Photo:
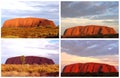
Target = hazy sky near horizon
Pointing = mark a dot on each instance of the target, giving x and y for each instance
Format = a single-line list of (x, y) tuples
[(30, 47), (82, 51), (29, 8), (81, 13)]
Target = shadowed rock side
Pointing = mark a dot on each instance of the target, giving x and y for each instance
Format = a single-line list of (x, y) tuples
[(28, 22), (29, 60), (89, 68), (90, 30)]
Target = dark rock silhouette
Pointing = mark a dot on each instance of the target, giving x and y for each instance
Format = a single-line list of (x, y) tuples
[(29, 60), (90, 30), (89, 68), (28, 22)]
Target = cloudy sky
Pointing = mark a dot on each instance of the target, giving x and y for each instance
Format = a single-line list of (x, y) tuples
[(80, 13), (32, 47), (30, 8), (100, 51)]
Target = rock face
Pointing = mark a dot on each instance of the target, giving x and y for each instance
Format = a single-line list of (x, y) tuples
[(28, 22), (89, 30), (29, 60), (89, 68)]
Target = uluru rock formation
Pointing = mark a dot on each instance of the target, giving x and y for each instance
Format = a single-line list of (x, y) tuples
[(28, 22), (29, 60), (89, 68), (90, 30)]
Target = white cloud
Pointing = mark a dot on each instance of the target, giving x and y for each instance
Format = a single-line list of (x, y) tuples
[(108, 59), (22, 4), (30, 8), (90, 47), (29, 5), (93, 46), (15, 5), (67, 58), (34, 47), (71, 22)]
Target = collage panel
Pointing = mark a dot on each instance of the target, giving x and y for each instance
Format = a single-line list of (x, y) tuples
[(30, 19), (89, 19), (29, 58), (59, 38), (89, 58)]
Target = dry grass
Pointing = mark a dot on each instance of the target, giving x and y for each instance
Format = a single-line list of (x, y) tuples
[(12, 70), (30, 32)]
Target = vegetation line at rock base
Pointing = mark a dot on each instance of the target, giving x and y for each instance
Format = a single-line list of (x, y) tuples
[(94, 36), (116, 74)]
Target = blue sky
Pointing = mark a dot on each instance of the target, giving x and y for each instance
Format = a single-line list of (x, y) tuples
[(30, 8), (30, 47), (100, 51), (81, 13)]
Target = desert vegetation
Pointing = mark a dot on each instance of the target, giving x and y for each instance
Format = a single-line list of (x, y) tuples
[(30, 32), (25, 70)]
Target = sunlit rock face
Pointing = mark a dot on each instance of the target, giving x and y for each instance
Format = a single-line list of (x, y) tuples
[(89, 68), (82, 31), (28, 22)]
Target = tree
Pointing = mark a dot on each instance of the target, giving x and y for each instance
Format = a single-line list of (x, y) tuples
[(22, 58)]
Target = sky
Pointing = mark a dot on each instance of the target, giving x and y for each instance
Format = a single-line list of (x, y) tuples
[(99, 51), (30, 47), (82, 13), (30, 8)]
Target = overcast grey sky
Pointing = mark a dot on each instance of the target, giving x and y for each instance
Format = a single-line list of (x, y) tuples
[(81, 13), (30, 8), (30, 47), (100, 51)]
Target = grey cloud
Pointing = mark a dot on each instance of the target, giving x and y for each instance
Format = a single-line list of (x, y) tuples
[(103, 17), (38, 13), (53, 47), (81, 9), (47, 47), (46, 6), (14, 48), (73, 9), (54, 57), (90, 47), (49, 10), (51, 16)]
